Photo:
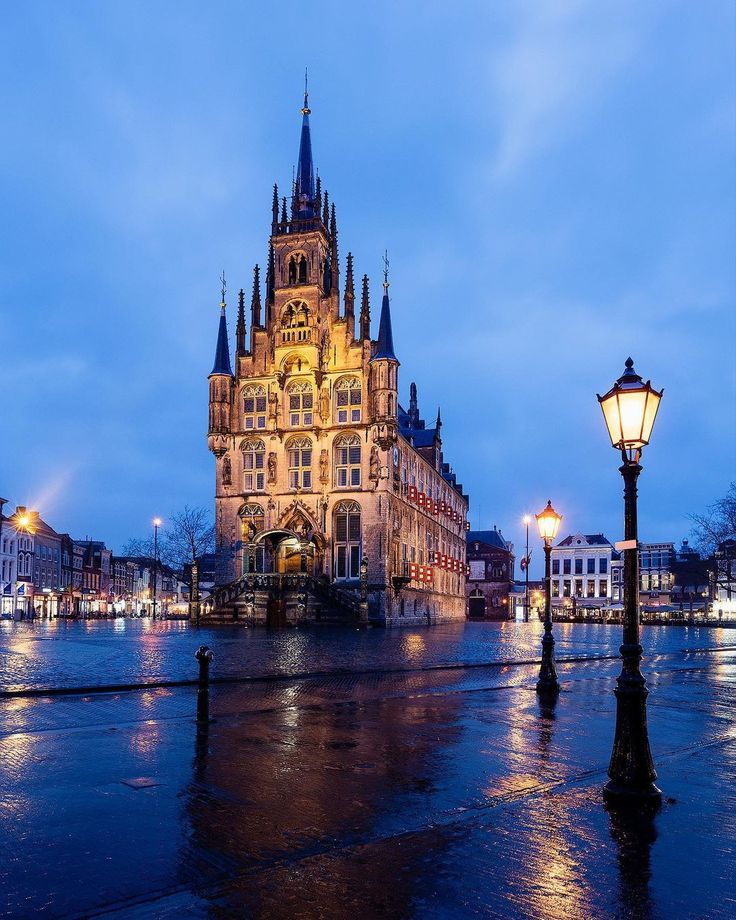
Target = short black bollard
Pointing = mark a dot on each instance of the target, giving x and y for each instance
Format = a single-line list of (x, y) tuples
[(204, 656)]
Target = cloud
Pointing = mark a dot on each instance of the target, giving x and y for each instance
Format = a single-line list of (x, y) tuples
[(559, 63)]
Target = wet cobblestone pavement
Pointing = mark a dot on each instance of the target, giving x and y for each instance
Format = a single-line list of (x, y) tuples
[(429, 793)]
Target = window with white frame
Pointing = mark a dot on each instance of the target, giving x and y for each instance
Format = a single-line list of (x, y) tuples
[(301, 405), (254, 474), (348, 398), (299, 451), (347, 461), (254, 407), (347, 538)]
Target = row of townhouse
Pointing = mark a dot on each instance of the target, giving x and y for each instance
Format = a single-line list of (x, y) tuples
[(45, 573), (587, 574)]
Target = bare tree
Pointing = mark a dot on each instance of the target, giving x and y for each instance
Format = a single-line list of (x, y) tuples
[(183, 537), (717, 524), (139, 547), (187, 536)]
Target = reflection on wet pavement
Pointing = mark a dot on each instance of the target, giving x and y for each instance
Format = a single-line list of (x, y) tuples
[(425, 794)]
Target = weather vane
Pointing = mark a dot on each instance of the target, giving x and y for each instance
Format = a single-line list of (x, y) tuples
[(224, 288), (385, 269), (306, 109)]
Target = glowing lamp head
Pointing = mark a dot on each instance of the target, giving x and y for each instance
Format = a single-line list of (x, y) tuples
[(157, 522), (629, 409), (548, 523), (527, 519)]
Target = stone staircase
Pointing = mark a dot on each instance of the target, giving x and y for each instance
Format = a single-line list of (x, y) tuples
[(281, 600)]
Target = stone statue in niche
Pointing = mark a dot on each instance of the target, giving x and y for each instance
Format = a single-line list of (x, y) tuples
[(273, 407), (227, 472), (375, 466), (272, 467), (324, 404), (324, 465)]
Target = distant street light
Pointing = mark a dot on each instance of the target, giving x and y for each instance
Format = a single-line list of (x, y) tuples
[(527, 521), (548, 523), (629, 409), (156, 525)]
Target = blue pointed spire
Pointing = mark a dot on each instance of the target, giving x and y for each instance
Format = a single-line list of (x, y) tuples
[(304, 186), (222, 352), (385, 343)]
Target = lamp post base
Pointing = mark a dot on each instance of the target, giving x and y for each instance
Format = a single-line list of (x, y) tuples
[(548, 684), (631, 769)]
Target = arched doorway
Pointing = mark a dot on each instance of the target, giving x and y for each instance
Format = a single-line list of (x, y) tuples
[(347, 540), (294, 556)]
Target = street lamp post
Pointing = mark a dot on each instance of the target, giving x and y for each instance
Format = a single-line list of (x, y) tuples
[(156, 525), (527, 522), (548, 523), (629, 409)]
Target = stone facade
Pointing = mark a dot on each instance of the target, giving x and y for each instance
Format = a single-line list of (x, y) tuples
[(491, 575), (316, 464)]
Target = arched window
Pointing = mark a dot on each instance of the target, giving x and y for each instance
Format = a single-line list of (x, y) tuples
[(301, 404), (348, 396), (347, 461), (254, 407), (347, 540), (303, 274), (252, 519), (292, 270), (251, 522), (254, 475), (300, 463)]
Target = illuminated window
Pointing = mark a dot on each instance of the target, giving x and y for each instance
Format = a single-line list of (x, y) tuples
[(347, 540), (348, 397), (347, 461), (254, 408), (254, 477), (603, 589), (590, 592), (578, 587), (301, 405), (300, 463)]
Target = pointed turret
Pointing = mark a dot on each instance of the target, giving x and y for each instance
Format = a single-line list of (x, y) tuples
[(304, 186), (334, 258), (349, 299), (365, 312), (438, 423), (275, 204), (326, 211), (413, 405), (284, 215), (222, 351), (255, 300), (318, 196), (270, 283), (385, 343), (221, 387), (240, 327)]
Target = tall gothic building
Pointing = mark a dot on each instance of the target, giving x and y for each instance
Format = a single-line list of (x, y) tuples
[(317, 465)]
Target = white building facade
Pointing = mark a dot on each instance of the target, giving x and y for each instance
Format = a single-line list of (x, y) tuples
[(581, 572)]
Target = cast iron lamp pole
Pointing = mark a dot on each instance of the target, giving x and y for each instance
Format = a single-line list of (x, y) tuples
[(548, 523), (630, 408), (527, 521), (156, 525)]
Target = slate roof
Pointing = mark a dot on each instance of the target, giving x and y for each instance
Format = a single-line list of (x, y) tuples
[(592, 539), (491, 537)]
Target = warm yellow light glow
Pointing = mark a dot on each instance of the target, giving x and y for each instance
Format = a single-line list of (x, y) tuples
[(548, 523), (629, 409), (157, 522), (24, 520), (527, 519)]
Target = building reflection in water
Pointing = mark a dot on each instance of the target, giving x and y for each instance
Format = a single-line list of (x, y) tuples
[(296, 792)]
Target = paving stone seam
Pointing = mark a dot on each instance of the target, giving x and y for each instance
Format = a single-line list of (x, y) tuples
[(338, 672), (472, 814)]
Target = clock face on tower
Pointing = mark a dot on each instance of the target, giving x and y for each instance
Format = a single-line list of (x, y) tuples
[(396, 456)]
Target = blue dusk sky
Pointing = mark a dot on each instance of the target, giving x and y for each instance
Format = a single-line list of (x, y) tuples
[(554, 182)]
